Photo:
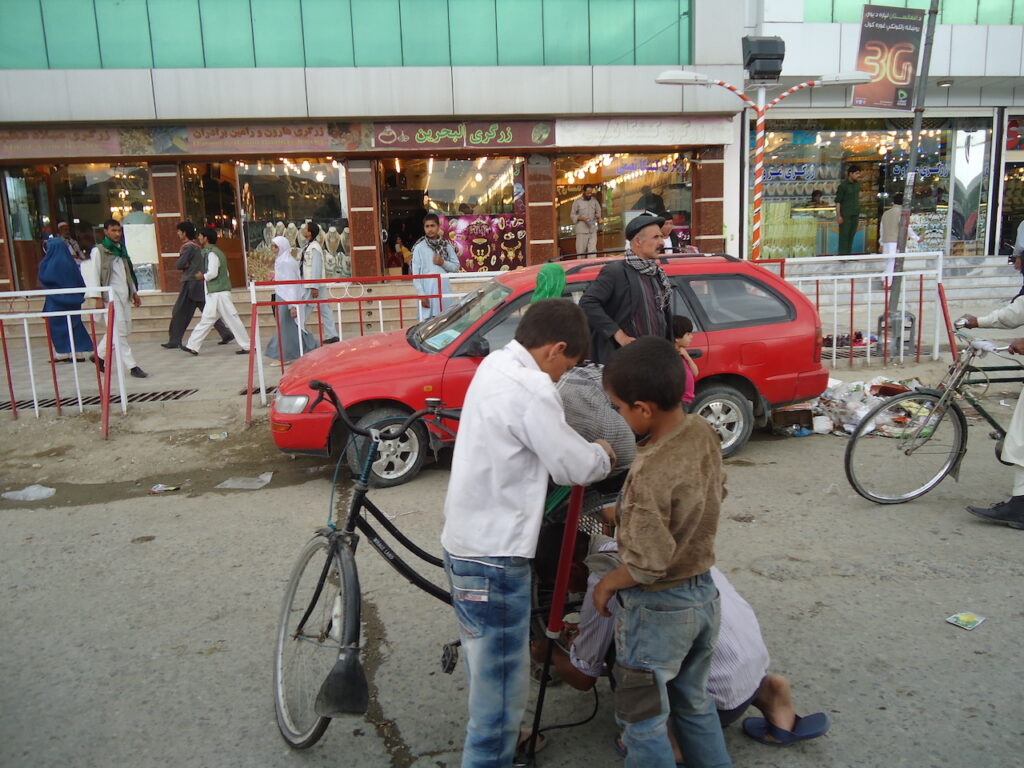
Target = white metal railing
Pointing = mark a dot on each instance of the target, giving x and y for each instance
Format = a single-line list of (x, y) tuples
[(9, 315)]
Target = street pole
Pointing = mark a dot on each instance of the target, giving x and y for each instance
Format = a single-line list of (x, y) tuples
[(908, 191), (759, 112)]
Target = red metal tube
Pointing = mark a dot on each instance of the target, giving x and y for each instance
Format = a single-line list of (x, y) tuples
[(7, 367), (572, 521), (252, 362), (105, 389)]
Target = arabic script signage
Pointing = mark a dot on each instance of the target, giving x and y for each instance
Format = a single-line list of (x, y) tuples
[(495, 134), (890, 39)]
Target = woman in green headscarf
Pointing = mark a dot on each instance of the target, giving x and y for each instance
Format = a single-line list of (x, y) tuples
[(550, 283)]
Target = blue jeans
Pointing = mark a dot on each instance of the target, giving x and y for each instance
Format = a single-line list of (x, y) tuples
[(663, 642), (491, 597)]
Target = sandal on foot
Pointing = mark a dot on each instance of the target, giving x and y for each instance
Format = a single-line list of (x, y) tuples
[(810, 727), (524, 742)]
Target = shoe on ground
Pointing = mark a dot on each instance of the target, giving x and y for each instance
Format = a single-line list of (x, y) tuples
[(98, 361), (228, 340), (189, 350), (242, 352), (1010, 512), (168, 345), (138, 373), (332, 340)]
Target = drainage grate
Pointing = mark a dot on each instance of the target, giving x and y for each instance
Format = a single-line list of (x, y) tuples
[(134, 397), (256, 391)]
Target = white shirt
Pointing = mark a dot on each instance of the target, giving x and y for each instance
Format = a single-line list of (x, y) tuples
[(889, 226), (512, 435), (118, 277), (588, 210), (738, 664), (1018, 244)]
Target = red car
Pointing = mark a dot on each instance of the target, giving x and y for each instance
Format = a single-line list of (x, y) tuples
[(759, 339)]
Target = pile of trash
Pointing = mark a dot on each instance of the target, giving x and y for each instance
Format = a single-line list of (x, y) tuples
[(839, 409)]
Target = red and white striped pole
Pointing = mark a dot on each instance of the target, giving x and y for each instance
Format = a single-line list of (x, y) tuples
[(759, 110)]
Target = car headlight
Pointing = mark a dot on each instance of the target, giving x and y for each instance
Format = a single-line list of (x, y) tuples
[(290, 403)]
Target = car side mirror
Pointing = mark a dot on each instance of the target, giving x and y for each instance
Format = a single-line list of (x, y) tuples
[(478, 346)]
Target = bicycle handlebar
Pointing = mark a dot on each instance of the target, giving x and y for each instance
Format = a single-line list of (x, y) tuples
[(434, 408)]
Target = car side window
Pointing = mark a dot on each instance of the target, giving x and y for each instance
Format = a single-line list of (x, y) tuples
[(735, 301), (681, 307), (500, 330)]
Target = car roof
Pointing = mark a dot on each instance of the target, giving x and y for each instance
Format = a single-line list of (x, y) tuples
[(527, 277)]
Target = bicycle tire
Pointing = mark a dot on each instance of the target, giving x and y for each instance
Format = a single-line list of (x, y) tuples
[(914, 449), (303, 661)]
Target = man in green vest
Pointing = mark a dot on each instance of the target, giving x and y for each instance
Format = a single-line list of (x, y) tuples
[(848, 208), (218, 296)]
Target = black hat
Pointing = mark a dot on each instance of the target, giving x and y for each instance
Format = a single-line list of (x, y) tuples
[(644, 220)]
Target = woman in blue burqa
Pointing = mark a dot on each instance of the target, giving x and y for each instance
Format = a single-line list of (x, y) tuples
[(58, 269)]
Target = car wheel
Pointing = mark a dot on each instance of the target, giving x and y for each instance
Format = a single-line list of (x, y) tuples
[(399, 460), (729, 413)]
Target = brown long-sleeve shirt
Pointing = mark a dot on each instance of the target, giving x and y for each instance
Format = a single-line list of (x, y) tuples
[(670, 506)]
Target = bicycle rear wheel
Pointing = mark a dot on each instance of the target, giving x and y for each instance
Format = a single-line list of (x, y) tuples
[(311, 629), (904, 447)]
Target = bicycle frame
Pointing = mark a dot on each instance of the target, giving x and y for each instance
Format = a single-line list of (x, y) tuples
[(957, 379), (355, 520)]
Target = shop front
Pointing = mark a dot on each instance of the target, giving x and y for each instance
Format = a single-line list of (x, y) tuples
[(1012, 216), (503, 189), (805, 161)]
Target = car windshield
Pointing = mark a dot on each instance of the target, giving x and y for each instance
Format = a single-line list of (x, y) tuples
[(438, 332)]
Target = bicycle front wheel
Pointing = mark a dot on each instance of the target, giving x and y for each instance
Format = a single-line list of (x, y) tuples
[(310, 631), (904, 447)]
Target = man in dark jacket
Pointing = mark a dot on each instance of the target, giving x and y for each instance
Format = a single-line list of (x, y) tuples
[(192, 295), (632, 297)]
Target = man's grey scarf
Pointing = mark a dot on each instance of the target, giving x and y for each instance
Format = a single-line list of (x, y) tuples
[(651, 268)]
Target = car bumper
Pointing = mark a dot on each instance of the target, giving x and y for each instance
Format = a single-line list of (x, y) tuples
[(301, 432)]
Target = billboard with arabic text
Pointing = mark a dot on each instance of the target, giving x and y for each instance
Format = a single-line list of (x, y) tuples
[(890, 44)]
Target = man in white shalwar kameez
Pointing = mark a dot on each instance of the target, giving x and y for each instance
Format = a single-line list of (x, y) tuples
[(433, 255), (218, 297), (1010, 512), (109, 265)]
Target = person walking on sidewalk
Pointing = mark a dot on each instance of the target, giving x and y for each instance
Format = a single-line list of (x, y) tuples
[(192, 295), (109, 265), (218, 297), (311, 264)]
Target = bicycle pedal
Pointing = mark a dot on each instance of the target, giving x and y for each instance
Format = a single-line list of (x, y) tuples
[(450, 657)]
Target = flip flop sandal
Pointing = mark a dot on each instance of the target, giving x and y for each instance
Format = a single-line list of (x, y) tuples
[(810, 727), (524, 743)]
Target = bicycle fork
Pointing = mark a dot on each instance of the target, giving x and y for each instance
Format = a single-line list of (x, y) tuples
[(345, 690)]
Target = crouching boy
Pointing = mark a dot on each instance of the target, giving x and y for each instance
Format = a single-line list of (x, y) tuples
[(512, 436), (668, 613)]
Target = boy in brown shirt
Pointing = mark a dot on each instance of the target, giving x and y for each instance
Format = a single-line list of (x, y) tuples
[(667, 624)]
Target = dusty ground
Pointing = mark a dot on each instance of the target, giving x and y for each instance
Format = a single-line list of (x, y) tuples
[(138, 629)]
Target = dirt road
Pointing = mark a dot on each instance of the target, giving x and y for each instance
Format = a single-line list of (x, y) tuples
[(138, 629)]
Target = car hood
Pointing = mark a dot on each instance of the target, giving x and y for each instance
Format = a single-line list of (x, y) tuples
[(388, 355)]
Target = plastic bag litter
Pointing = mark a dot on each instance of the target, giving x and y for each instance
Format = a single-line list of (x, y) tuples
[(163, 488), (218, 435), (246, 483), (30, 493)]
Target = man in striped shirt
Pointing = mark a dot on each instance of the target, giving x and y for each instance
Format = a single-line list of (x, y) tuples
[(739, 666)]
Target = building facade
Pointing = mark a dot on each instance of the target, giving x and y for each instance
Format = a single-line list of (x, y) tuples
[(254, 116)]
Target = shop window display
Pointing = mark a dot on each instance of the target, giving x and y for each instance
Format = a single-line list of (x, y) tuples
[(278, 195), (805, 162), (480, 203), (83, 195), (625, 185)]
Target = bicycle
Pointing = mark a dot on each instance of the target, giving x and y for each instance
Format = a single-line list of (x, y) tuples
[(908, 444), (317, 671)]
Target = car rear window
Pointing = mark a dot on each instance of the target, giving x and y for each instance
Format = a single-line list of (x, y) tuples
[(735, 301)]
